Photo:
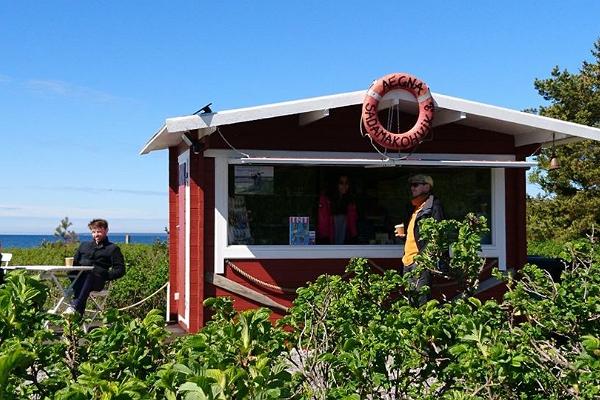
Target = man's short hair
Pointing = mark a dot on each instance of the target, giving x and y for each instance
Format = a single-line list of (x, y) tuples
[(98, 223), (420, 178)]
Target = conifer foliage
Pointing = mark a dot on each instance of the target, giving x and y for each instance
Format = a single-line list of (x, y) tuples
[(570, 205)]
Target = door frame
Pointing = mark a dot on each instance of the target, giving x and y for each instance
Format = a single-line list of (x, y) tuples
[(181, 159)]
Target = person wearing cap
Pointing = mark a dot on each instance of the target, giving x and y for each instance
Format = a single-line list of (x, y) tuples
[(423, 205)]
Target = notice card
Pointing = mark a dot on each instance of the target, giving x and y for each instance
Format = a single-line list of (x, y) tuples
[(299, 231)]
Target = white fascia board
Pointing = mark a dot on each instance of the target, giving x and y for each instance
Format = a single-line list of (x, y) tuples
[(539, 137), (517, 117), (444, 117), (155, 141), (312, 116), (521, 120), (192, 122)]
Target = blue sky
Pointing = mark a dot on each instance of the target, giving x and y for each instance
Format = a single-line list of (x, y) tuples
[(85, 84)]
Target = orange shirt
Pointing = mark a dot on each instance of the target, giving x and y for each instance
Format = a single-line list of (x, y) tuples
[(410, 246)]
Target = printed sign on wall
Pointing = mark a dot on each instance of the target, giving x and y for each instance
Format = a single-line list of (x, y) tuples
[(253, 179)]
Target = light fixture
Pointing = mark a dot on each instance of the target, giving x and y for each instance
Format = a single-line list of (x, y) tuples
[(554, 163), (196, 145)]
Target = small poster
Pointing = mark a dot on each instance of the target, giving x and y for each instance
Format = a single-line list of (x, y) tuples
[(253, 179), (239, 226), (299, 231)]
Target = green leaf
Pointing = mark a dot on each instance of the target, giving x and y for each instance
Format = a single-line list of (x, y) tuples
[(475, 301), (350, 344)]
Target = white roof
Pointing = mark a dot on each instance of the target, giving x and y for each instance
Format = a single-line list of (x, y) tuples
[(526, 128)]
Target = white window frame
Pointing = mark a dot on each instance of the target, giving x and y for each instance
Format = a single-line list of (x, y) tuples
[(224, 251)]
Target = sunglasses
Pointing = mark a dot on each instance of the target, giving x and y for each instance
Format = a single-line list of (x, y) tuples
[(415, 184)]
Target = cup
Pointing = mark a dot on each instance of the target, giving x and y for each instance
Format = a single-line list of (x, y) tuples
[(399, 230), (68, 261)]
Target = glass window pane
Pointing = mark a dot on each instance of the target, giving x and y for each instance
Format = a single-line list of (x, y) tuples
[(349, 205)]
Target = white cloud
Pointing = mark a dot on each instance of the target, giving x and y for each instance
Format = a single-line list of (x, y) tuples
[(103, 190), (34, 211), (65, 89)]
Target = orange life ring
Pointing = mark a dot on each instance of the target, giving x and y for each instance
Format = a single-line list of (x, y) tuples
[(378, 89)]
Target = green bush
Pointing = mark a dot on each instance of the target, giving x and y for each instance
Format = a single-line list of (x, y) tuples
[(49, 253), (545, 248), (350, 337), (118, 360), (236, 356), (147, 270)]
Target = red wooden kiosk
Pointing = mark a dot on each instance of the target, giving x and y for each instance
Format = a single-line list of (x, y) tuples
[(244, 186)]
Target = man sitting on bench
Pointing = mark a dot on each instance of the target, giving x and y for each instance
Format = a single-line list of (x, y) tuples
[(104, 256)]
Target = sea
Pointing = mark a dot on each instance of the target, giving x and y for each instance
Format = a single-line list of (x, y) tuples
[(26, 241)]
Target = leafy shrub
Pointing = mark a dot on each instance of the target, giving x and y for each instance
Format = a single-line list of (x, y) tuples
[(30, 360), (119, 359), (362, 338), (236, 356), (546, 248), (49, 253), (351, 338)]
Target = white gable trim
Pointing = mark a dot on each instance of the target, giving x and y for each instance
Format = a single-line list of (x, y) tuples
[(471, 113)]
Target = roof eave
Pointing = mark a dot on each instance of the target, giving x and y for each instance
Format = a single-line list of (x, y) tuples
[(526, 128)]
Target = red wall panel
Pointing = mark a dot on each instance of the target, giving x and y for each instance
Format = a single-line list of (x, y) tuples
[(339, 132)]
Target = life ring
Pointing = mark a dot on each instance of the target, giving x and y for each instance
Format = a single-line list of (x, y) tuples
[(378, 89)]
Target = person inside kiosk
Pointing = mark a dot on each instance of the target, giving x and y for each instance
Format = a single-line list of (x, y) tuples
[(337, 215)]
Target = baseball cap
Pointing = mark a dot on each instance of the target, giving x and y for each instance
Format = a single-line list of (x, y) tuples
[(420, 178)]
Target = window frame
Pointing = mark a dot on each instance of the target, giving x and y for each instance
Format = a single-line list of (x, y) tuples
[(224, 251)]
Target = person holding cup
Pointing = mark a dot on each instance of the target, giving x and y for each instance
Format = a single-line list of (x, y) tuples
[(423, 205)]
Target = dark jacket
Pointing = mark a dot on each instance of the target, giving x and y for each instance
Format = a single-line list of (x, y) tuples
[(431, 209), (105, 257)]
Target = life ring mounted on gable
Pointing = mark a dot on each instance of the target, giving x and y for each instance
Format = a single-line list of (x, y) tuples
[(378, 89)]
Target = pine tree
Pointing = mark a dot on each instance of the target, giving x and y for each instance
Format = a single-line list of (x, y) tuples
[(570, 205), (63, 233)]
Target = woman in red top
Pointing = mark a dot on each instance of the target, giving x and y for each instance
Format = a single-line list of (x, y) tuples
[(337, 216)]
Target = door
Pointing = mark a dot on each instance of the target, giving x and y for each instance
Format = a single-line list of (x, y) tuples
[(183, 239)]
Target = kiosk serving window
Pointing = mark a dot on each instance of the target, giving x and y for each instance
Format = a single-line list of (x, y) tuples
[(295, 205)]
